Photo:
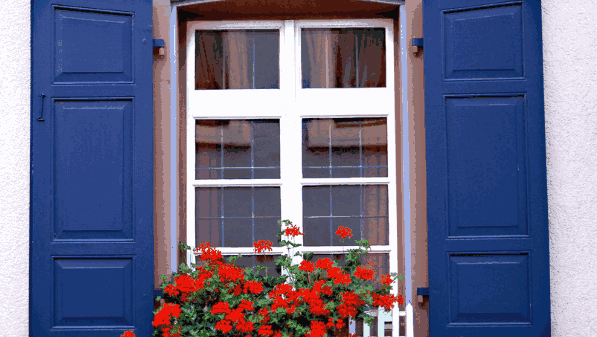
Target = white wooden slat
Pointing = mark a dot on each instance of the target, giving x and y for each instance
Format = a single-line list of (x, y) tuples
[(409, 320), (386, 317)]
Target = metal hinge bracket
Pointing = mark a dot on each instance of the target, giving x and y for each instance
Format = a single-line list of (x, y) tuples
[(421, 293)]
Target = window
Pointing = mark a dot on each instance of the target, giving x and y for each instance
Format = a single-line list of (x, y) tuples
[(292, 113)]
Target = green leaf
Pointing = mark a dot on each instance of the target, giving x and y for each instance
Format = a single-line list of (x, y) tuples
[(182, 246), (308, 256), (233, 259)]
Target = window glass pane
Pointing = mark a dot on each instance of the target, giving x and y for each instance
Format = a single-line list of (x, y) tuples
[(237, 202), (266, 229), (316, 201), (237, 59), (353, 223), (237, 149), (346, 200), (376, 230), (345, 147), (378, 262), (236, 216), (267, 201), (268, 261), (362, 208), (318, 231), (343, 57)]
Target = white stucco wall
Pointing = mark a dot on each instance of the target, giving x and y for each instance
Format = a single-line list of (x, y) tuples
[(570, 71), (15, 60)]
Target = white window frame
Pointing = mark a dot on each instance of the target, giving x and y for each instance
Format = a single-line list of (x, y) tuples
[(345, 101), (247, 103), (291, 104)]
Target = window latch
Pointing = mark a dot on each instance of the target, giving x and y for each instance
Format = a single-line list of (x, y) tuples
[(417, 45), (421, 293), (160, 45)]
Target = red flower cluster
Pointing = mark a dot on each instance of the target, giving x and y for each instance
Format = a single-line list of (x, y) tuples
[(387, 301), (338, 275), (324, 263), (185, 285), (128, 334), (326, 284), (364, 274), (262, 245), (293, 231), (210, 254), (168, 333), (307, 266), (318, 329), (386, 279), (339, 323), (167, 311), (253, 287), (344, 232), (236, 316)]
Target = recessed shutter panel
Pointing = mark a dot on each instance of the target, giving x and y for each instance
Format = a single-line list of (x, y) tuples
[(486, 178), (91, 168)]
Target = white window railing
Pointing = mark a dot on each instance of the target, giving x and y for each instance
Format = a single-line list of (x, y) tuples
[(384, 319)]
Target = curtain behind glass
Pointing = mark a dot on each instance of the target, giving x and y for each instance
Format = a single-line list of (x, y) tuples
[(209, 60), (239, 69), (343, 58), (237, 59)]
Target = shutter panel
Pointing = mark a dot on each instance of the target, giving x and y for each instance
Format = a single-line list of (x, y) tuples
[(91, 168), (486, 176)]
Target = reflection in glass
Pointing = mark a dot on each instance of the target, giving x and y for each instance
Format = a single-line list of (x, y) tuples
[(345, 147), (236, 216), (237, 149), (237, 59), (362, 208), (343, 57)]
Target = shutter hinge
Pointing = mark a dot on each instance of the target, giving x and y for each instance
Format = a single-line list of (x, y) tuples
[(421, 293), (417, 45), (160, 45)]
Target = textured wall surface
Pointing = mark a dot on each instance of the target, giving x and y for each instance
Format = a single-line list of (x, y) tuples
[(15, 58), (570, 72)]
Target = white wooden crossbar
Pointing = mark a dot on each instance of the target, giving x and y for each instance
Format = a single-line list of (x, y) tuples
[(386, 317)]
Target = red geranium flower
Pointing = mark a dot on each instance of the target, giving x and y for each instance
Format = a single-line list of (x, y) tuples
[(163, 316), (344, 232), (293, 231), (307, 266), (324, 263), (224, 326), (265, 330), (262, 245), (386, 279), (220, 308), (364, 274), (253, 287)]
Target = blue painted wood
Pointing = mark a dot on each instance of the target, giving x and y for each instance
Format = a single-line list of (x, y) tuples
[(486, 176), (91, 168)]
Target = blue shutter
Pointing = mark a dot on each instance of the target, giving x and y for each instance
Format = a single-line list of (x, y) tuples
[(486, 179), (91, 168)]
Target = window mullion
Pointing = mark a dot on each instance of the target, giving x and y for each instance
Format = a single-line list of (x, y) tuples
[(291, 136)]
